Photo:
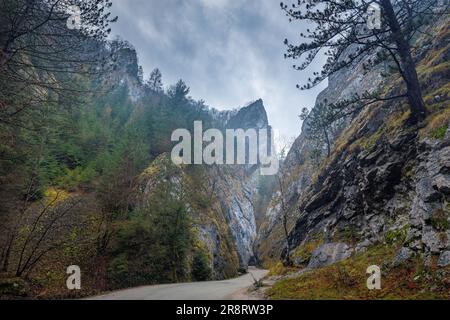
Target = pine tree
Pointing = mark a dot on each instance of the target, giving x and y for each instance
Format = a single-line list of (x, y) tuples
[(201, 271), (341, 30), (317, 124), (154, 82), (178, 92)]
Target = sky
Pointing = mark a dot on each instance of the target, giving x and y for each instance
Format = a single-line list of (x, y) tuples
[(229, 52)]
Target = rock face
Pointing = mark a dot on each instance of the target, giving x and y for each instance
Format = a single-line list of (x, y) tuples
[(237, 185), (297, 170), (235, 192), (384, 181)]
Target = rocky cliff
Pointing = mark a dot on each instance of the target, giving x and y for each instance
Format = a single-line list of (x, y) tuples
[(384, 180), (219, 198)]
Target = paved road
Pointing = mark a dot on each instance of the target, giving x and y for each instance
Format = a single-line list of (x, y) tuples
[(207, 290)]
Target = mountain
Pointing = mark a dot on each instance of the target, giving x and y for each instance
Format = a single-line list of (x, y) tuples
[(119, 208)]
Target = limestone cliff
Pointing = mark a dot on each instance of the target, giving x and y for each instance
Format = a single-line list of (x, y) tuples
[(384, 180), (219, 198)]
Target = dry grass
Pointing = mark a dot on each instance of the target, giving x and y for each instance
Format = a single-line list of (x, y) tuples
[(347, 280)]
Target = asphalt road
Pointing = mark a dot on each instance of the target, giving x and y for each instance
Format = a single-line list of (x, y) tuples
[(207, 290)]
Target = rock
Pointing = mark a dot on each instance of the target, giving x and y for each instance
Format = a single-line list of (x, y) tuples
[(444, 259), (328, 254), (426, 191), (442, 184), (432, 240), (402, 256), (362, 246)]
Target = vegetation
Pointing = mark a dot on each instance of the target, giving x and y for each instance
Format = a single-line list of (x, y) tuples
[(73, 147), (201, 270), (347, 280)]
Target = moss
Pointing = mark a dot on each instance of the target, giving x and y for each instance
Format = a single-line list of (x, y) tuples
[(348, 235), (436, 125), (439, 220), (370, 142), (439, 133), (302, 254), (278, 269), (395, 236), (443, 92)]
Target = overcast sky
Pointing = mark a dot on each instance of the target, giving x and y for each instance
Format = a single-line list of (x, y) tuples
[(229, 52)]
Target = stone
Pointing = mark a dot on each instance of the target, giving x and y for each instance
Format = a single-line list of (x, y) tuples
[(329, 253), (402, 256), (442, 184), (362, 246), (444, 259), (432, 240)]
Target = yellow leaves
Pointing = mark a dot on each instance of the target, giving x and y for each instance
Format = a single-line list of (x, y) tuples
[(54, 196)]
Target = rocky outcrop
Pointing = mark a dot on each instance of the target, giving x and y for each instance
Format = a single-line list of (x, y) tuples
[(385, 181), (298, 169), (237, 185)]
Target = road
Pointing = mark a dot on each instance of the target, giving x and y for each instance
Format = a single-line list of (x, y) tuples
[(206, 290)]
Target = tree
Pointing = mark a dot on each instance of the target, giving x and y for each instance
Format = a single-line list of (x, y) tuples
[(284, 217), (45, 48), (154, 82), (201, 271), (178, 92), (42, 45), (317, 124), (140, 75), (341, 32)]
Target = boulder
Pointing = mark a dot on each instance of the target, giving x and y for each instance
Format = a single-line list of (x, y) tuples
[(402, 256), (444, 259), (329, 253), (442, 184)]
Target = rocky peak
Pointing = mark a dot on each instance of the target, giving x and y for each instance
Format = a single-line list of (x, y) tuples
[(251, 116)]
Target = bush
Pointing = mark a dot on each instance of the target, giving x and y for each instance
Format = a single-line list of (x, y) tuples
[(201, 270), (13, 287)]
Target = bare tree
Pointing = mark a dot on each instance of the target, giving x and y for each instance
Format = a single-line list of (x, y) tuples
[(284, 217), (48, 231), (41, 54), (40, 51)]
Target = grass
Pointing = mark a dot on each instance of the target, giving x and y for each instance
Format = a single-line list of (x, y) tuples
[(436, 125), (347, 280)]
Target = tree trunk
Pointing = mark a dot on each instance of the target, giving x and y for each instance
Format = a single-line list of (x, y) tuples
[(408, 72), (5, 256), (287, 261), (327, 140)]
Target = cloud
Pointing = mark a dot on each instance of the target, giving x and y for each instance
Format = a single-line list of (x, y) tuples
[(229, 52)]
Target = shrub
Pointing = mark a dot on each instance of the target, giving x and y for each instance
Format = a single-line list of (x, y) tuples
[(201, 271)]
